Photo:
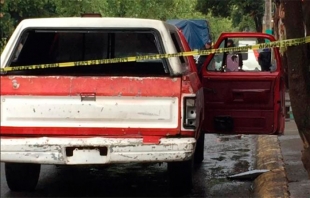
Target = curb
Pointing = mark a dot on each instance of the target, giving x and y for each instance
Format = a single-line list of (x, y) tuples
[(273, 183)]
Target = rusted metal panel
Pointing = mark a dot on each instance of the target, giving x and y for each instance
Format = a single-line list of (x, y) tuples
[(101, 86), (86, 150)]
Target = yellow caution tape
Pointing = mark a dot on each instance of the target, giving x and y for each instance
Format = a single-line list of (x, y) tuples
[(283, 43)]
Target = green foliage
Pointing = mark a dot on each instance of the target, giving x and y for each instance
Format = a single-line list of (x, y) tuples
[(163, 10), (21, 9), (242, 22), (237, 10), (71, 8), (215, 7), (219, 25), (17, 10), (2, 44), (155, 9)]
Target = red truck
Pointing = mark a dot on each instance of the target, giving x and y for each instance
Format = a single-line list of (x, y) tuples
[(69, 96)]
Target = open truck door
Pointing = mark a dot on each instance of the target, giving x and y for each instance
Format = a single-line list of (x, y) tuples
[(244, 91)]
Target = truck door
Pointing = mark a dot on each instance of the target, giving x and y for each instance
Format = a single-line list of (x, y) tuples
[(244, 90)]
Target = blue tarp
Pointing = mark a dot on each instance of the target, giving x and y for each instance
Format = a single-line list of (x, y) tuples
[(196, 31)]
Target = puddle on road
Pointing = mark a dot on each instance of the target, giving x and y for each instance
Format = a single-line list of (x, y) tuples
[(221, 158), (225, 138), (225, 156)]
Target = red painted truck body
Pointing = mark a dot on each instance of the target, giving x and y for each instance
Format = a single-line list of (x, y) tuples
[(139, 111)]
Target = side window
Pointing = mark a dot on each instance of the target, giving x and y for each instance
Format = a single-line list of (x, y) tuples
[(250, 60), (20, 47), (217, 61), (177, 44)]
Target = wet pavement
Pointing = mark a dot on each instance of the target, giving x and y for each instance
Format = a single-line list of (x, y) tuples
[(224, 156)]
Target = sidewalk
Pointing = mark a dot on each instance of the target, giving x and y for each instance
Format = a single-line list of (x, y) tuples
[(291, 146), (281, 155)]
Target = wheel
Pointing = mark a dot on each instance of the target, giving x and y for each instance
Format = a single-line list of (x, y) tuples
[(22, 177), (199, 151), (180, 176)]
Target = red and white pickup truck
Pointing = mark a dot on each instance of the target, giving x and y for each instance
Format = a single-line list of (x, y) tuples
[(141, 111)]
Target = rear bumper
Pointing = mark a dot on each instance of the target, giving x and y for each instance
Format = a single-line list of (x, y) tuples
[(97, 150)]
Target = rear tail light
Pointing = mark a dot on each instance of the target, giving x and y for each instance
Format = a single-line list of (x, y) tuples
[(189, 117)]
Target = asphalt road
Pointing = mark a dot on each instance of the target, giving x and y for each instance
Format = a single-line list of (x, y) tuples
[(224, 156)]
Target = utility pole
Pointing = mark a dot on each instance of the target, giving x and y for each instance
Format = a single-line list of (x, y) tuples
[(267, 16)]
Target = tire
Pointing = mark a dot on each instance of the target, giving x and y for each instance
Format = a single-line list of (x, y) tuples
[(180, 177), (22, 176), (199, 151)]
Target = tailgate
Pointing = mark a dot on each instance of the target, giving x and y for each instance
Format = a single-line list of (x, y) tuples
[(90, 105)]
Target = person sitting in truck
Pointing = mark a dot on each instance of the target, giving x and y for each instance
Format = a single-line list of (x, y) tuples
[(230, 43), (234, 59), (264, 59), (202, 58)]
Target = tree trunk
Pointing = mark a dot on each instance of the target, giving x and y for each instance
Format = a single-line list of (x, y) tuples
[(306, 8), (276, 19), (299, 80), (277, 30), (306, 159), (258, 23)]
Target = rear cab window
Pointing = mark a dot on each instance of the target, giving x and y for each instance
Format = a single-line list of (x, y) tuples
[(51, 46)]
